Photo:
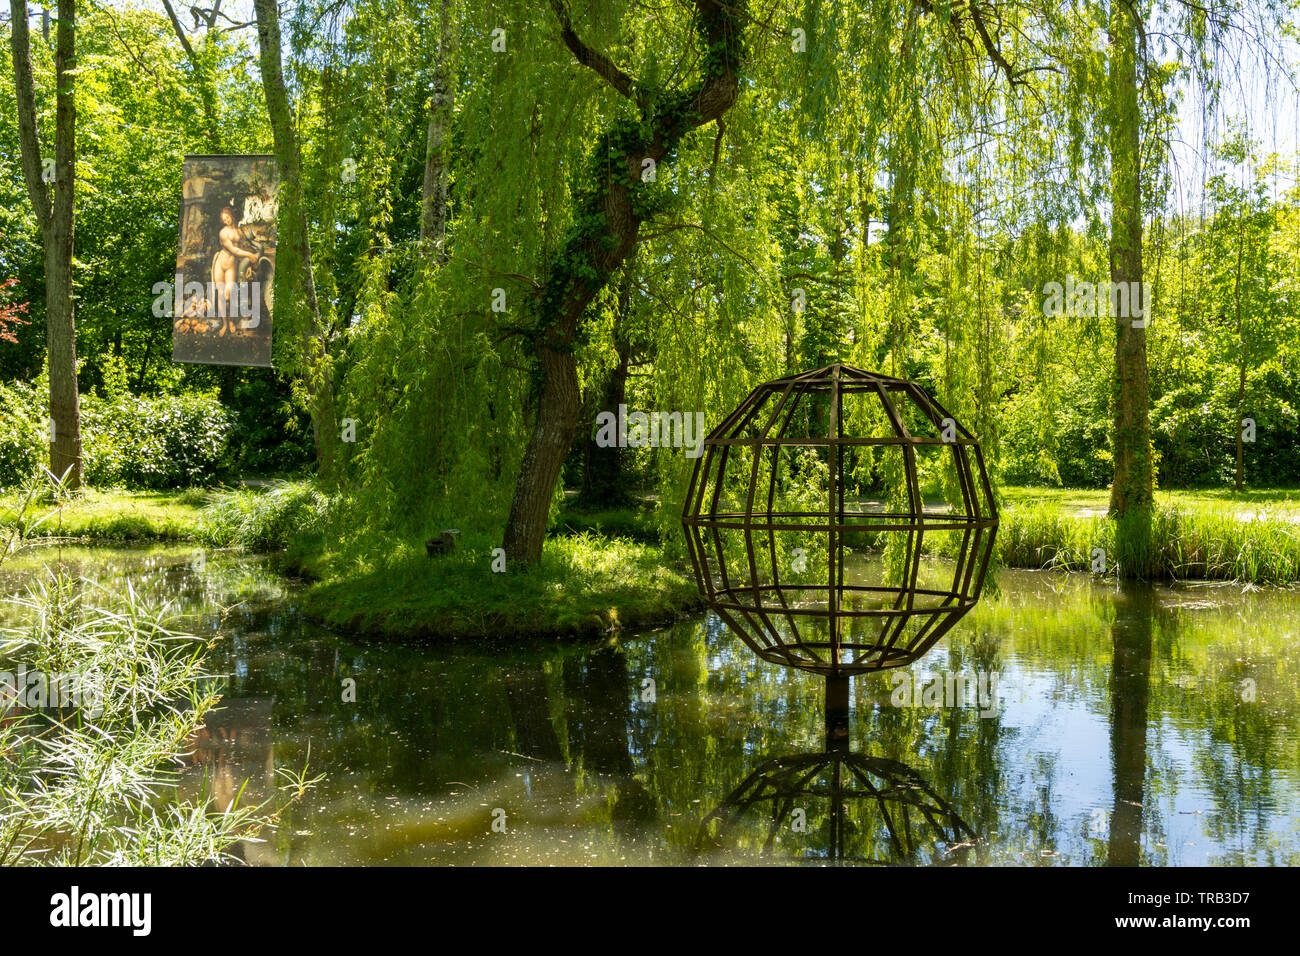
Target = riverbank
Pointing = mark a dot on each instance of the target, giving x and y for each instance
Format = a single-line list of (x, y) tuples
[(1251, 541), (584, 586), (110, 515), (607, 571), (588, 582)]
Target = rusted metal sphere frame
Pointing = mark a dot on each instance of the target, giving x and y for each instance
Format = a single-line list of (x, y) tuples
[(803, 625)]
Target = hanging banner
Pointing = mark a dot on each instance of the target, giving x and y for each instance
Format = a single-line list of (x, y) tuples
[(225, 269)]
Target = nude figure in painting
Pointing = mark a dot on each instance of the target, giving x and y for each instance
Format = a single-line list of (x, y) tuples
[(225, 266)]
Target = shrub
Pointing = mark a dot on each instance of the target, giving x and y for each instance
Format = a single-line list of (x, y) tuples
[(22, 438), (164, 441), (130, 441), (267, 520)]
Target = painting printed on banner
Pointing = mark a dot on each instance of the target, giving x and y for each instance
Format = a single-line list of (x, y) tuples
[(223, 290)]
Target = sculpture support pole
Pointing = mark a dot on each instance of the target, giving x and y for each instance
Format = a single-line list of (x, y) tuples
[(837, 712)]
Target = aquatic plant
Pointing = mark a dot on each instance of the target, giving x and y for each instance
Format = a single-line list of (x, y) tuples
[(93, 780)]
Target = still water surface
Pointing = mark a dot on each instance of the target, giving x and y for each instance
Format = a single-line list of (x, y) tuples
[(1064, 722)]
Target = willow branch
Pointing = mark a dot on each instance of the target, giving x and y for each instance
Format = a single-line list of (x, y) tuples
[(604, 67)]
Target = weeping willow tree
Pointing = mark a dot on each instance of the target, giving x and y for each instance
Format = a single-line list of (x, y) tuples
[(610, 206), (557, 210), (441, 246), (1143, 80)]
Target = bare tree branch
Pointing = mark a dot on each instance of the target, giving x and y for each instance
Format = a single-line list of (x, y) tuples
[(180, 31)]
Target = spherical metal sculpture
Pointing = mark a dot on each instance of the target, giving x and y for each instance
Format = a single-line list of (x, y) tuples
[(809, 475)]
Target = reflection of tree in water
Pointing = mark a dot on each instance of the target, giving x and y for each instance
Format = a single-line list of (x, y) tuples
[(1130, 692), (598, 712), (597, 689), (530, 712), (233, 759), (852, 807), (570, 722)]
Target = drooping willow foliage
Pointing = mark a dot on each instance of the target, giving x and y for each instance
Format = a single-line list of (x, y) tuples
[(894, 187)]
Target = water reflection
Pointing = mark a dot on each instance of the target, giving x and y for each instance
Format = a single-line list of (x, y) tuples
[(839, 806), (1138, 726), (1130, 691), (234, 757)]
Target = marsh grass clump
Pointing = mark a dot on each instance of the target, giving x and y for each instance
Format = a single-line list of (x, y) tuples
[(287, 513), (94, 782), (1185, 543)]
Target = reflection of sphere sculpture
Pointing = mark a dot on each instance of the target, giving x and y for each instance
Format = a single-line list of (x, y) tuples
[(810, 473), (852, 807)]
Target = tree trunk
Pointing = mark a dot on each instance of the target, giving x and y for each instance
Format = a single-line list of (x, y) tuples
[(1241, 365), (607, 230), (296, 239), (604, 481), (1131, 491), (56, 217), (433, 213), (557, 418), (603, 478)]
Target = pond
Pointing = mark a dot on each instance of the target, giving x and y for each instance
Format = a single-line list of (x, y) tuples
[(1066, 721)]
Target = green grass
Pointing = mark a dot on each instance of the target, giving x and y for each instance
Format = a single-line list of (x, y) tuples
[(1188, 542), (263, 519), (1281, 501), (115, 515), (583, 586), (637, 524)]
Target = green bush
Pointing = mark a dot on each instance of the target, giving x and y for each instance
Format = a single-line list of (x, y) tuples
[(129, 441), (164, 441), (22, 438)]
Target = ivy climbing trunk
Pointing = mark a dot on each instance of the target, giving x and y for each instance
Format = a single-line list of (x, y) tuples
[(611, 205), (53, 204), (1239, 477), (604, 476), (1131, 490)]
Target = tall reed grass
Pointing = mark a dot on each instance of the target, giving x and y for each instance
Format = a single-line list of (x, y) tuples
[(1186, 543), (95, 783)]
